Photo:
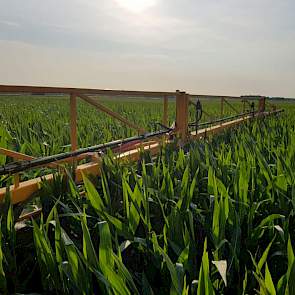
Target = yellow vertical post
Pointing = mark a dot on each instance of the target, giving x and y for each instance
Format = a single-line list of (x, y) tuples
[(182, 103), (261, 107), (165, 110), (221, 107), (73, 122), (16, 180)]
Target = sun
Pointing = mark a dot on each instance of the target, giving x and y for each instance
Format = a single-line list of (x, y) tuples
[(136, 6)]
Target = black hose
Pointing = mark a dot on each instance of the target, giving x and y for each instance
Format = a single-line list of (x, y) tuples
[(16, 167), (229, 118), (220, 120)]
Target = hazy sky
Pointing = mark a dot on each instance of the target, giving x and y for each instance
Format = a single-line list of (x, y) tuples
[(201, 46)]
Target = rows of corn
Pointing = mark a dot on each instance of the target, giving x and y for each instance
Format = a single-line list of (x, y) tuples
[(40, 125), (213, 217), (33, 122)]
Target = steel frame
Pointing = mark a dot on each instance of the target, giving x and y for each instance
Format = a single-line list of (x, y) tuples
[(21, 191)]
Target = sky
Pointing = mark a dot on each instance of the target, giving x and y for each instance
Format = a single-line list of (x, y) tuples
[(222, 47)]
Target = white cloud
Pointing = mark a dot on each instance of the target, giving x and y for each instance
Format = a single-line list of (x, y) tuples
[(216, 46), (9, 23)]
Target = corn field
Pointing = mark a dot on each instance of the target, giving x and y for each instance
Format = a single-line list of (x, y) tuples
[(33, 122), (215, 216)]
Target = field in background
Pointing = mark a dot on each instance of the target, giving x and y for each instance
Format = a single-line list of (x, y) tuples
[(39, 125)]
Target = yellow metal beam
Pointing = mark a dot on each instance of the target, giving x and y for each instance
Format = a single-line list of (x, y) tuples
[(107, 92), (24, 189), (218, 128)]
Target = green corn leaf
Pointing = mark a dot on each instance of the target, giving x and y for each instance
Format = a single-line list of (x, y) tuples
[(204, 285), (259, 230), (212, 186), (269, 282), (88, 248), (10, 226), (245, 282), (73, 267), (106, 259), (124, 273), (146, 287), (134, 214), (46, 258), (291, 268), (126, 188), (184, 182), (93, 196), (264, 255), (224, 193), (290, 253), (105, 189), (291, 282), (2, 273), (216, 220), (121, 228), (57, 238), (176, 279), (183, 257)]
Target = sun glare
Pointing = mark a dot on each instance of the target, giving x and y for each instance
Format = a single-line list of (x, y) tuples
[(136, 6)]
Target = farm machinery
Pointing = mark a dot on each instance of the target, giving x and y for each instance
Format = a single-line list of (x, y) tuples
[(128, 148)]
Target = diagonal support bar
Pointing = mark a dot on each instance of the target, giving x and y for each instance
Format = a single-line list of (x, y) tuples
[(15, 155), (233, 108), (111, 113), (20, 156)]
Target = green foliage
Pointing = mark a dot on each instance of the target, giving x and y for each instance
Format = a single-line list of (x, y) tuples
[(215, 217)]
